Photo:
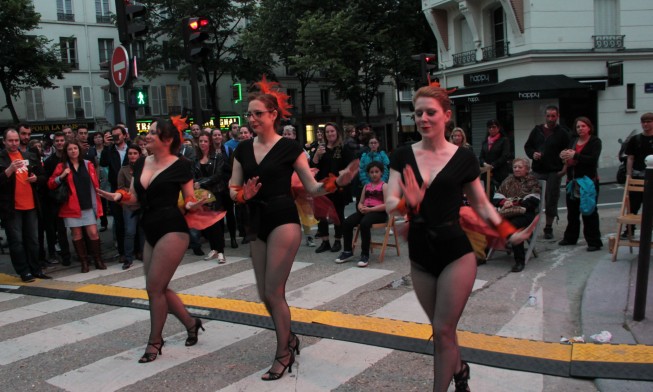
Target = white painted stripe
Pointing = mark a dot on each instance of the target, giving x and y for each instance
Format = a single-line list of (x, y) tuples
[(225, 286), (321, 367), (36, 310), (49, 339), (182, 271), (332, 287), (121, 370), (112, 269), (8, 296)]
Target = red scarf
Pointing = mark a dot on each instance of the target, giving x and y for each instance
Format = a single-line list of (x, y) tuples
[(491, 140)]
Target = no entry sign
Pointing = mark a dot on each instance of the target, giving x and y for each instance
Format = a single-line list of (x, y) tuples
[(119, 66)]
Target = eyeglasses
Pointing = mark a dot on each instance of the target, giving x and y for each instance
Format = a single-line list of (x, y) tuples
[(257, 113)]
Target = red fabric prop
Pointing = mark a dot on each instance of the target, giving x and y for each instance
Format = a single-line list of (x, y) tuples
[(203, 218), (180, 124), (320, 207), (330, 183), (282, 98)]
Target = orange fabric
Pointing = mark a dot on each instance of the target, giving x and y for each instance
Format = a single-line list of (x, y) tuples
[(330, 183), (23, 196), (203, 218), (401, 206), (505, 229), (126, 196), (240, 194)]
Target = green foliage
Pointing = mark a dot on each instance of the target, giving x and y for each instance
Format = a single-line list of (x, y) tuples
[(26, 59)]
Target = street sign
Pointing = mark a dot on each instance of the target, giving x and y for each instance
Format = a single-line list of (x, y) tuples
[(120, 66)]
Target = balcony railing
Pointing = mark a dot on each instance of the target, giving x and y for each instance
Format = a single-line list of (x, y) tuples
[(609, 42), (462, 58), (495, 51), (102, 18), (68, 17)]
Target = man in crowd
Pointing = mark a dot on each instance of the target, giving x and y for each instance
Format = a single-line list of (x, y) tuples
[(543, 146), (24, 134), (19, 173), (638, 148), (68, 134), (82, 138), (54, 225), (234, 134), (114, 157)]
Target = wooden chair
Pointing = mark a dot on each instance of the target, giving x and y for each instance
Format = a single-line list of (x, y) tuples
[(390, 228), (626, 217)]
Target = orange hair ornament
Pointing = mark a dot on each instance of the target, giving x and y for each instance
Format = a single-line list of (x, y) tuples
[(282, 98), (180, 124), (436, 83)]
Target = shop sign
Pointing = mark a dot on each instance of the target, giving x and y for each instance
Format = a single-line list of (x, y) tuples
[(226, 121), (55, 127), (490, 76), (528, 95)]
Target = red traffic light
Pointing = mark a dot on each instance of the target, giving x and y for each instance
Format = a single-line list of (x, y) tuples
[(197, 23)]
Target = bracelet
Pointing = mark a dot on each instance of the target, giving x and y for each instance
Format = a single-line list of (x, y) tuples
[(330, 184), (240, 194), (505, 229)]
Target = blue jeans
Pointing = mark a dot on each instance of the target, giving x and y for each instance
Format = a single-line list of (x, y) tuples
[(131, 226), (23, 238)]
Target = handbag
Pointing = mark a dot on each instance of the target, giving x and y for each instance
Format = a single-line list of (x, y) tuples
[(509, 212), (60, 194)]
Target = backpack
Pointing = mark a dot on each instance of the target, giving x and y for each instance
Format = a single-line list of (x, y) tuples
[(583, 189)]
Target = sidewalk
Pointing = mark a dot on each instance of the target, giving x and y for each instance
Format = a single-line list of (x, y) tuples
[(607, 305)]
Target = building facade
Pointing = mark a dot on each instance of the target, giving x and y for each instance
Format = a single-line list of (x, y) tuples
[(509, 59)]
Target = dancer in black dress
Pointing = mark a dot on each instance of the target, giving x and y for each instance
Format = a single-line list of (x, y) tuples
[(427, 181), (261, 179), (157, 181)]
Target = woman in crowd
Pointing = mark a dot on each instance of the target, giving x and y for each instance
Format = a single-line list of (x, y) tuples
[(374, 154), (157, 181), (209, 172), (370, 210), (495, 152), (582, 159), (83, 206), (141, 143), (133, 243), (319, 138), (459, 138), (261, 180), (223, 152), (330, 158), (425, 186), (518, 199)]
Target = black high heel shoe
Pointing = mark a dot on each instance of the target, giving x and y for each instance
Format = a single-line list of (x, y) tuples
[(193, 331), (295, 348), (149, 357), (271, 376), (462, 377)]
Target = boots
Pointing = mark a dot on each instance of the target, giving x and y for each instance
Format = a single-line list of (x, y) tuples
[(97, 254), (80, 249)]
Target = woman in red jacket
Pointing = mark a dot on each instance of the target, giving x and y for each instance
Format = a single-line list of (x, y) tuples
[(83, 206)]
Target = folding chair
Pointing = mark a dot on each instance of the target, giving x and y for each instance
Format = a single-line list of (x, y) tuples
[(390, 228), (626, 217)]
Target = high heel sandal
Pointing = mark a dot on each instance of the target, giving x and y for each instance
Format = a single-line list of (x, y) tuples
[(193, 332), (294, 348), (149, 357), (462, 377), (271, 376)]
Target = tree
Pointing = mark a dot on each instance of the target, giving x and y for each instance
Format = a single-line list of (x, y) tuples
[(164, 41), (26, 60)]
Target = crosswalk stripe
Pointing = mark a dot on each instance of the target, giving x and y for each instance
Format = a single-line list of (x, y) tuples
[(8, 296), (118, 371), (36, 310), (327, 289), (229, 284), (112, 269), (49, 339)]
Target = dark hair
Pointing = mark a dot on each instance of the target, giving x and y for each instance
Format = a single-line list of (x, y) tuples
[(647, 117), (492, 122), (23, 125), (64, 156), (587, 122), (122, 129), (134, 147), (199, 150), (270, 102), (436, 93), (552, 107), (4, 134), (58, 134), (167, 131), (376, 164)]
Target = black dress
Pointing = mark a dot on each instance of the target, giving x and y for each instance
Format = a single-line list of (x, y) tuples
[(435, 238), (273, 205), (161, 215)]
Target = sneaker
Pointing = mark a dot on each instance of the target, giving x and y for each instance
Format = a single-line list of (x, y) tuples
[(221, 258), (324, 246), (27, 278), (309, 242), (344, 256), (336, 246), (198, 252), (212, 255), (363, 261)]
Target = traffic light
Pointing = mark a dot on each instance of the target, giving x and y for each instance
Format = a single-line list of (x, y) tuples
[(237, 92), (427, 62), (106, 74), (195, 33), (138, 97), (129, 21)]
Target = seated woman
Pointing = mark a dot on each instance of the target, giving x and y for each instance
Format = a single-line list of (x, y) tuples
[(371, 210), (518, 199)]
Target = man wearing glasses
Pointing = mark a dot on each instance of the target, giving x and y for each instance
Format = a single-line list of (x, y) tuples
[(638, 148)]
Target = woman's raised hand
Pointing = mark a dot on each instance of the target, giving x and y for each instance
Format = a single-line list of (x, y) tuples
[(413, 192), (251, 188)]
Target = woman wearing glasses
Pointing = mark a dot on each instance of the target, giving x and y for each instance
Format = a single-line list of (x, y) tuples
[(261, 180)]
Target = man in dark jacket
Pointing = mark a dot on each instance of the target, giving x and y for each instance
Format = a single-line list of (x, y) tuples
[(19, 204), (543, 146), (115, 157)]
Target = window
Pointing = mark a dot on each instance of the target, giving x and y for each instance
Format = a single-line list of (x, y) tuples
[(380, 102), (65, 10), (107, 98), (630, 96), (186, 100), (499, 32), (606, 17), (78, 102), (34, 100), (158, 100), (102, 14), (292, 93), (105, 48), (173, 99), (324, 100), (205, 102), (169, 63), (68, 47), (138, 49)]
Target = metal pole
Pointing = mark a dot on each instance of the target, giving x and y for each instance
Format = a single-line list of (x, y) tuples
[(644, 244), (195, 93)]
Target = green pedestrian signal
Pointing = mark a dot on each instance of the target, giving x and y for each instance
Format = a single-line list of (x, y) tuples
[(138, 97)]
